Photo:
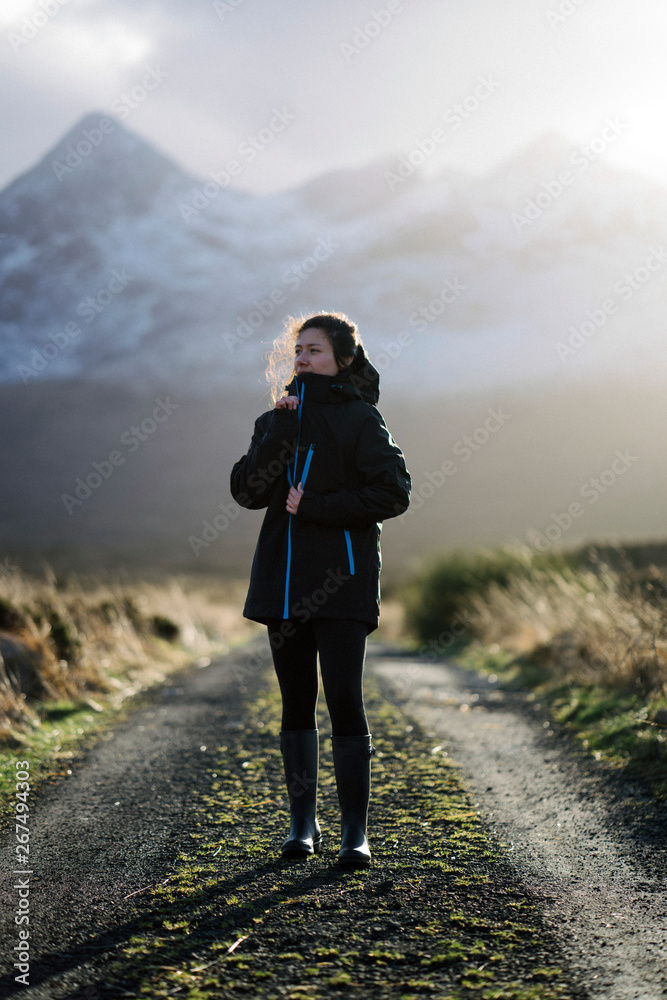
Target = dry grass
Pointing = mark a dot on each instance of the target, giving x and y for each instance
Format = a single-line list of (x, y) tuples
[(93, 640), (591, 626)]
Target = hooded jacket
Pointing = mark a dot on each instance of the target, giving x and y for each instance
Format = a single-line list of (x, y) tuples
[(325, 560)]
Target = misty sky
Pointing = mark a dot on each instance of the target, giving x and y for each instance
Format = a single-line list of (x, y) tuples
[(353, 81)]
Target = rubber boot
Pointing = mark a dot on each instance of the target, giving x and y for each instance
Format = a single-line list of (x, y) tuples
[(352, 764), (300, 750)]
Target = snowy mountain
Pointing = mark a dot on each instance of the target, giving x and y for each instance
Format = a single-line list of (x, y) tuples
[(137, 301), (116, 265)]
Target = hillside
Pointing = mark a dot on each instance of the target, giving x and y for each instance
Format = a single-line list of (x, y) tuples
[(125, 281)]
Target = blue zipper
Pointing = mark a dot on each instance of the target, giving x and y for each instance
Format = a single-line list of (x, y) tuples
[(306, 467), (296, 454), (293, 481), (349, 550)]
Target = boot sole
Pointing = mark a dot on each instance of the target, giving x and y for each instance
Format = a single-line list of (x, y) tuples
[(301, 852), (354, 862)]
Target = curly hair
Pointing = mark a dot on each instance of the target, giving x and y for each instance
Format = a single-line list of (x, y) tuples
[(340, 331)]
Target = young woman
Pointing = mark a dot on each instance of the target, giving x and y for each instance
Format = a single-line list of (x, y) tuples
[(329, 472)]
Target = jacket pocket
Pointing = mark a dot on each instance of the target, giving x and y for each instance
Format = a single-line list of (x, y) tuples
[(350, 554)]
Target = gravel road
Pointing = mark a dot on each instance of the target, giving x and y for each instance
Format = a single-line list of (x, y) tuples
[(111, 828), (592, 846)]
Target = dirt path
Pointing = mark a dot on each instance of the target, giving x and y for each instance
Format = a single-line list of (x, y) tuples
[(111, 828), (594, 846), (114, 826)]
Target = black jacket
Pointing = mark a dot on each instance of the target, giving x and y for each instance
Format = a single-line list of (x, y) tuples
[(323, 562)]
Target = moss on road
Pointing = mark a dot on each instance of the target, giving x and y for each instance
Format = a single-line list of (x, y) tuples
[(439, 912)]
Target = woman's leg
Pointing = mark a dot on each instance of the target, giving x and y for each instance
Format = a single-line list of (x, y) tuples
[(342, 648), (295, 659), (295, 662)]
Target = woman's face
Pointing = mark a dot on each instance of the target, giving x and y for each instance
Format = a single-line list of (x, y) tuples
[(314, 353)]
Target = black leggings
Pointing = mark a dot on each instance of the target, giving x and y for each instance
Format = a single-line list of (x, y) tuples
[(341, 644)]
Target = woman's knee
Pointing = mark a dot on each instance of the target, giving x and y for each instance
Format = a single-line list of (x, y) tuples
[(348, 721)]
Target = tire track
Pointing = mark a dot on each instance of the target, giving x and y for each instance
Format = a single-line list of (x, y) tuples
[(115, 825), (591, 844), (588, 847)]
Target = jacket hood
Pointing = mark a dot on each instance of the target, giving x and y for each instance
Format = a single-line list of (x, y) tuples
[(360, 380)]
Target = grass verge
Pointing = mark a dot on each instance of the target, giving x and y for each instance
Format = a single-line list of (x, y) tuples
[(65, 728), (438, 913), (615, 726), (584, 631), (76, 652)]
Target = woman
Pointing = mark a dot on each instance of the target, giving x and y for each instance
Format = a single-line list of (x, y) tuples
[(329, 472)]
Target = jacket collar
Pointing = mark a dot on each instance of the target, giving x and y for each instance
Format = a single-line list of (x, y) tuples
[(359, 381)]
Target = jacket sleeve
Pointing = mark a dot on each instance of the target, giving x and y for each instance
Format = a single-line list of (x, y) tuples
[(386, 489), (253, 477)]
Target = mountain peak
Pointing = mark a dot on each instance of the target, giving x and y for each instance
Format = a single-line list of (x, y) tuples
[(98, 169), (99, 141), (90, 120), (99, 130)]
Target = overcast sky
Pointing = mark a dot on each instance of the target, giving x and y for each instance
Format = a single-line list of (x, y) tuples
[(353, 81)]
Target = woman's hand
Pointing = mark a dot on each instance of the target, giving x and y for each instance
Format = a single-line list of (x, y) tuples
[(293, 498), (289, 402)]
